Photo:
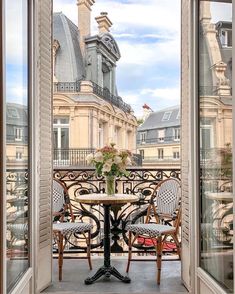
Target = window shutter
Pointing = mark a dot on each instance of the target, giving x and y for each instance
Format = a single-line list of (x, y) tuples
[(185, 156), (44, 239)]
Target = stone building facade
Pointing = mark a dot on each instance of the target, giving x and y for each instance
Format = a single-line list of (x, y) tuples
[(88, 112), (158, 139)]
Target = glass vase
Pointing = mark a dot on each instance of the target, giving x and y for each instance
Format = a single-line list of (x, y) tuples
[(110, 185)]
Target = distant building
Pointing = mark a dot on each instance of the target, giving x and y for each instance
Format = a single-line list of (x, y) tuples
[(17, 135), (158, 138), (88, 113)]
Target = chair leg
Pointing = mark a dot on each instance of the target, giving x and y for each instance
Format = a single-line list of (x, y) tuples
[(129, 251), (159, 258), (89, 250), (177, 243), (60, 251)]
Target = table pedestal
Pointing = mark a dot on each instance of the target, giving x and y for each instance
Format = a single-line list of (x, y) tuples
[(107, 270)]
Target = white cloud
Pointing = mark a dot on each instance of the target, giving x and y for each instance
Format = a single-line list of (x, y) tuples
[(145, 53), (148, 35), (156, 98), (16, 33)]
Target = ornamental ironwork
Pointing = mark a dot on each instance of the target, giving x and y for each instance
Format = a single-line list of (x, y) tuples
[(140, 182)]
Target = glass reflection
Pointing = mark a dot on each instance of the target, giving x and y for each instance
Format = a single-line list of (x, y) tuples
[(16, 140), (215, 69)]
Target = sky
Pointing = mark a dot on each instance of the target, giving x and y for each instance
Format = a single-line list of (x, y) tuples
[(147, 33), (148, 36)]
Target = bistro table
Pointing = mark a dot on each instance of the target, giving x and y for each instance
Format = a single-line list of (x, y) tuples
[(107, 270)]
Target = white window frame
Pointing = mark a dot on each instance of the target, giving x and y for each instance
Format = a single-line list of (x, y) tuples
[(160, 153), (101, 135), (19, 155), (176, 154), (18, 134), (166, 115), (161, 135), (224, 38), (59, 126), (143, 137), (177, 134)]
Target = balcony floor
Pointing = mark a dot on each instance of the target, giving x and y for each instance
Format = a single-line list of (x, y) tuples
[(143, 275)]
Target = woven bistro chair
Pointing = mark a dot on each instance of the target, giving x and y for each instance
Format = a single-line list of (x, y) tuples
[(164, 206), (62, 230)]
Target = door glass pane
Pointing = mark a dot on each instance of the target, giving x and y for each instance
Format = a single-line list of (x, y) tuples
[(16, 65), (64, 143), (215, 104)]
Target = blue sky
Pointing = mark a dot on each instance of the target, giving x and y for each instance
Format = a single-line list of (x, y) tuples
[(148, 36)]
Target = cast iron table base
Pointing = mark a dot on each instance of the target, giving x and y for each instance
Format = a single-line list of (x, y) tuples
[(107, 270)]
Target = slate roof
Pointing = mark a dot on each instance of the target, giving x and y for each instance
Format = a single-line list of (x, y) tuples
[(16, 114), (154, 120), (69, 65)]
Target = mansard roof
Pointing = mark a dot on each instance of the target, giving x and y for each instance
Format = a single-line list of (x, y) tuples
[(16, 114), (69, 65), (156, 119)]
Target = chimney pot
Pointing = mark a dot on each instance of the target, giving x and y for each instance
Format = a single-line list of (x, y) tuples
[(104, 23)]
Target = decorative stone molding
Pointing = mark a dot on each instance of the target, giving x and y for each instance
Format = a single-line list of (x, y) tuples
[(86, 87), (108, 40)]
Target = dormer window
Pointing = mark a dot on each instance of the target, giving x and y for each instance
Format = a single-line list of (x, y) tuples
[(12, 112), (225, 36), (166, 116), (161, 135)]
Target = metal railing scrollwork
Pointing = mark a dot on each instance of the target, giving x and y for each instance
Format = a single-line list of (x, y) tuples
[(140, 181)]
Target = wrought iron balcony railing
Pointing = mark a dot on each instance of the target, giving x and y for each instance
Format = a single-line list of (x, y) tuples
[(77, 157), (112, 99), (140, 181), (103, 93)]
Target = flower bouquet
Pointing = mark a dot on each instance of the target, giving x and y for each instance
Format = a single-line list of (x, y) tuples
[(111, 163)]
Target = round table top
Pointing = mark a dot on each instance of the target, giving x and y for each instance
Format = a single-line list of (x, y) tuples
[(107, 199)]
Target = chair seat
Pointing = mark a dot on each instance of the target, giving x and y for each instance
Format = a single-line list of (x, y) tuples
[(68, 228), (152, 230)]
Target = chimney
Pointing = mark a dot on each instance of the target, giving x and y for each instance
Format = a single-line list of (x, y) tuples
[(84, 20), (104, 23), (147, 110)]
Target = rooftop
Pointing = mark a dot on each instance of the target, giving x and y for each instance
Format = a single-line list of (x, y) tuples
[(159, 119)]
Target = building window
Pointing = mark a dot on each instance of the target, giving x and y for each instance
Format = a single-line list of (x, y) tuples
[(12, 112), (117, 136), (142, 153), (226, 37), (176, 154), (19, 155), (166, 115), (18, 134), (176, 134), (142, 137), (61, 138), (161, 135), (101, 135), (216, 240), (160, 152)]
